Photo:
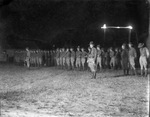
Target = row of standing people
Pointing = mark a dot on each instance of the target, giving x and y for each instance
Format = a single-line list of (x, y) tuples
[(118, 58), (68, 58), (38, 58), (129, 55), (71, 59)]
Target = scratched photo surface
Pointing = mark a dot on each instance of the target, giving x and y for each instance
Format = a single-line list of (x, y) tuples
[(74, 58)]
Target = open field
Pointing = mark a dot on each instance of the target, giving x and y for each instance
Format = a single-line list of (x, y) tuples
[(50, 92)]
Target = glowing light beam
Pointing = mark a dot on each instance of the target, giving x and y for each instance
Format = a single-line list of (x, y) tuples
[(118, 27)]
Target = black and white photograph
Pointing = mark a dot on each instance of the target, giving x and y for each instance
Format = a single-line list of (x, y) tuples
[(74, 58)]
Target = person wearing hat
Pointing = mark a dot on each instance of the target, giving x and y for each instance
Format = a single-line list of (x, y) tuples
[(132, 57), (144, 55), (28, 56), (91, 59), (125, 59), (99, 57), (78, 58), (83, 57), (72, 57)]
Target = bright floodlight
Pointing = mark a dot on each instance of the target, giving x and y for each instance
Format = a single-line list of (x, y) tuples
[(104, 26), (130, 27)]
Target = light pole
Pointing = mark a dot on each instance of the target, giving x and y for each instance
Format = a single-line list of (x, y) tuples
[(130, 29), (118, 27), (104, 27)]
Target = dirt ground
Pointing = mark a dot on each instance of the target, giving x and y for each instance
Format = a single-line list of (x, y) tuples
[(51, 92)]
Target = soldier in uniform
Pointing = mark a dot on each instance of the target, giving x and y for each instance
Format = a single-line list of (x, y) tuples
[(132, 57), (103, 57), (55, 62), (58, 57), (51, 58), (83, 57), (107, 59), (91, 59), (72, 57), (36, 55), (125, 59), (46, 57), (88, 53), (67, 56), (63, 58), (99, 57), (112, 58), (78, 58), (120, 63), (40, 58), (144, 55), (28, 57), (31, 58), (17, 56), (117, 59), (43, 57), (34, 58)]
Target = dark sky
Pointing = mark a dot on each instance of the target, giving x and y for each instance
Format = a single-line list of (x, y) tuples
[(43, 23)]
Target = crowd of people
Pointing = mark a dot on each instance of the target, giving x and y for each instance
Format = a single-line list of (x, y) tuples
[(96, 58), (38, 58)]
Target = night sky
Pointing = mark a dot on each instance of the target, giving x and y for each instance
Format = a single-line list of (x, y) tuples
[(66, 23)]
